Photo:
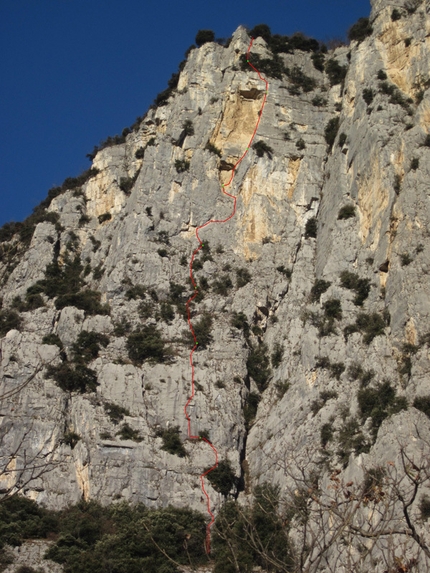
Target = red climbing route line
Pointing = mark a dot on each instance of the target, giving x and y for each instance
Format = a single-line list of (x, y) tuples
[(190, 435)]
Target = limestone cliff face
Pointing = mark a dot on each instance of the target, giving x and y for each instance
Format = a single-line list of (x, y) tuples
[(377, 167)]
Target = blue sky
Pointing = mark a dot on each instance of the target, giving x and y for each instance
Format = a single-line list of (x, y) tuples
[(75, 71)]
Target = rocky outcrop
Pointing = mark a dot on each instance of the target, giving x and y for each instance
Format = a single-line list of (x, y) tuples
[(33, 552), (308, 213)]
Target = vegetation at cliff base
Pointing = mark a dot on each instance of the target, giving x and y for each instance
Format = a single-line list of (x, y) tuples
[(90, 538), (21, 518), (270, 532), (240, 531)]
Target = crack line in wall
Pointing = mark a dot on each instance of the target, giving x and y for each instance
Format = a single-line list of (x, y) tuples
[(190, 435)]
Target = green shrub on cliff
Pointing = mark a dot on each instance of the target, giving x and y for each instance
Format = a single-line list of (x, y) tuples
[(204, 36), (146, 344), (360, 30)]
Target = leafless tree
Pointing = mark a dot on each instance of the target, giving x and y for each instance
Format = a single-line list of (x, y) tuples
[(334, 525), (335, 42), (21, 464)]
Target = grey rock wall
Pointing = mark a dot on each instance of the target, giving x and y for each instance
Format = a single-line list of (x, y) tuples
[(32, 552), (371, 171)]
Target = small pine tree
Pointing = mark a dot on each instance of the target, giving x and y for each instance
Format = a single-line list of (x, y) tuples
[(311, 228), (368, 95), (261, 30), (222, 478), (262, 148), (331, 130), (360, 30), (204, 36), (335, 71)]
